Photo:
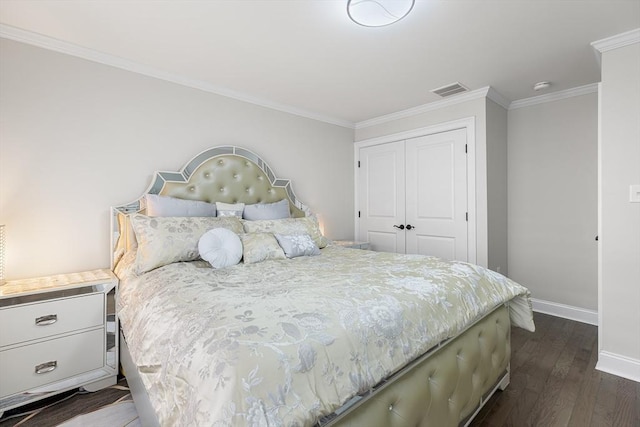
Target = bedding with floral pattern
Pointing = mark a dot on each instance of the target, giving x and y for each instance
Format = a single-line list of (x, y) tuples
[(284, 342)]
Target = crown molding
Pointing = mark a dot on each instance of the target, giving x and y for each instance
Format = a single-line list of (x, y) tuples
[(555, 96), (617, 41), (614, 42), (45, 42), (496, 97), (414, 111)]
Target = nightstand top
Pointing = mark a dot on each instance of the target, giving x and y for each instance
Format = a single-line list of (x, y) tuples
[(348, 242), (14, 288), (354, 244)]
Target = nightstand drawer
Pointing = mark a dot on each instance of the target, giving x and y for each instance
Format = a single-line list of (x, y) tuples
[(45, 319), (55, 360)]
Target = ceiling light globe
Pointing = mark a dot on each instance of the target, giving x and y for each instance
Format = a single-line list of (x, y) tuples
[(541, 86), (378, 13)]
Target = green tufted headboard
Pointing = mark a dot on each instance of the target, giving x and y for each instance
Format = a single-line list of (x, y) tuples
[(226, 174)]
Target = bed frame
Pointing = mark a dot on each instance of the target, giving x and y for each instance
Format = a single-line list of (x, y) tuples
[(447, 386)]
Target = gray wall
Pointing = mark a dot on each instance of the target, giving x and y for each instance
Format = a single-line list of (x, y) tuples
[(78, 137), (620, 220), (497, 187), (552, 200)]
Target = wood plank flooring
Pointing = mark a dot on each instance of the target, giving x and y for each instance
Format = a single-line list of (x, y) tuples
[(553, 383), (68, 405)]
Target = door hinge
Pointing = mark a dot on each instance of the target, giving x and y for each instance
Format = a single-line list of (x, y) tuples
[(466, 216), (358, 214), (358, 163), (465, 148)]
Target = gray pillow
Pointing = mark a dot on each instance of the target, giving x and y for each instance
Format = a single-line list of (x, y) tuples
[(258, 211), (164, 206), (295, 245)]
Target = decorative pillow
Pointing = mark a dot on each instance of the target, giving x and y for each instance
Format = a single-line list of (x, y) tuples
[(230, 209), (171, 206), (164, 240), (220, 248), (277, 210), (295, 245), (258, 247), (307, 225)]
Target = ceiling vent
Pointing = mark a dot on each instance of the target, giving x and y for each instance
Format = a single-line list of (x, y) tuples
[(450, 89)]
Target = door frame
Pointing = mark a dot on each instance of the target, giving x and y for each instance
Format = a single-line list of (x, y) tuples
[(469, 124)]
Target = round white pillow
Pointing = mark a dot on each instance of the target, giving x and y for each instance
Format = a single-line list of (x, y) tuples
[(220, 247)]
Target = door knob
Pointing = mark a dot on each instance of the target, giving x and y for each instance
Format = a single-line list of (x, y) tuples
[(401, 226), (409, 226)]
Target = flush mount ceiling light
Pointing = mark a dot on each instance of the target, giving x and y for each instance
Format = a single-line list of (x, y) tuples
[(378, 13), (541, 86)]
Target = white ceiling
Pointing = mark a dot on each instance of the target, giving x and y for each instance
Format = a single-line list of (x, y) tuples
[(307, 54)]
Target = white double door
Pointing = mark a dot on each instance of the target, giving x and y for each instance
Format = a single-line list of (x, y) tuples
[(413, 196)]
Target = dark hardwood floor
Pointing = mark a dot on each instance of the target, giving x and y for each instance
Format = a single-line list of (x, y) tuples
[(63, 407), (553, 383)]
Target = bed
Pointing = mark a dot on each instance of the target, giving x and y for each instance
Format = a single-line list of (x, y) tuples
[(343, 338)]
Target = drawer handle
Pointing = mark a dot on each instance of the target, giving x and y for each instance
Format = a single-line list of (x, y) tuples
[(49, 319), (46, 367)]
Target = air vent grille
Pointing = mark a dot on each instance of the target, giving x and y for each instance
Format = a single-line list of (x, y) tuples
[(450, 89)]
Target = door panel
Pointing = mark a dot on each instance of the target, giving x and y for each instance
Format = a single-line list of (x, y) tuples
[(381, 175), (381, 195), (435, 165), (436, 195), (443, 247)]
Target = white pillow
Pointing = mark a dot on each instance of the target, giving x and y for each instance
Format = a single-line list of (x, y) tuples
[(220, 247), (171, 206), (307, 225), (258, 247), (165, 240), (230, 209)]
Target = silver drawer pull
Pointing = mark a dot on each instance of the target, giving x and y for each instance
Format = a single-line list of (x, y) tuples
[(46, 367), (49, 319)]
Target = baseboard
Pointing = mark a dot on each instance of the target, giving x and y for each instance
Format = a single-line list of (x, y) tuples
[(565, 311), (621, 366)]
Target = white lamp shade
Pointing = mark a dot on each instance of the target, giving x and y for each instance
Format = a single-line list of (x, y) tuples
[(378, 13)]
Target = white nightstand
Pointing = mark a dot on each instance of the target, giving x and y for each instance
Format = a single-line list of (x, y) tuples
[(352, 244), (57, 333)]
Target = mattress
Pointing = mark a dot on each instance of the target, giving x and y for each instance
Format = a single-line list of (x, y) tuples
[(286, 342)]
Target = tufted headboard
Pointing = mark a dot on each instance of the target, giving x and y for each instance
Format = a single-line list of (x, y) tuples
[(226, 174)]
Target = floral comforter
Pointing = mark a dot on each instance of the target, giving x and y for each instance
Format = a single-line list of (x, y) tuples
[(285, 342)]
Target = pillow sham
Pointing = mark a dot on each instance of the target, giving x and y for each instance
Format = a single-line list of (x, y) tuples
[(220, 247), (258, 211), (171, 206), (164, 240), (307, 225), (230, 209), (258, 247), (296, 245)]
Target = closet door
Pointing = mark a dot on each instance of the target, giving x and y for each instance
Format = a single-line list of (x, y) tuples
[(381, 197), (436, 195)]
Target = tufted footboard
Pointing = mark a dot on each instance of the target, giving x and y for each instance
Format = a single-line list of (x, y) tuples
[(445, 387)]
